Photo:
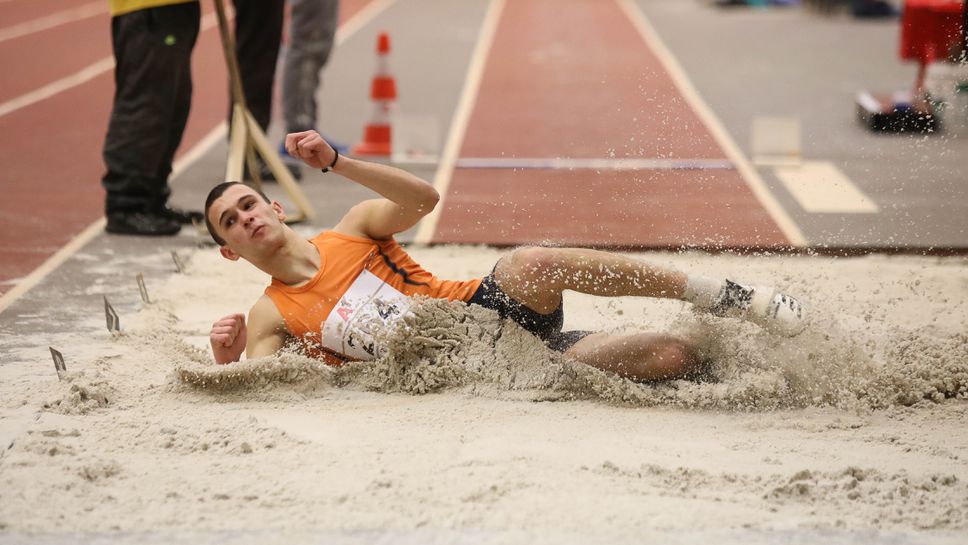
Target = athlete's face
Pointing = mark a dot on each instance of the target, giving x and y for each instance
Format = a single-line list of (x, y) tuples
[(245, 221)]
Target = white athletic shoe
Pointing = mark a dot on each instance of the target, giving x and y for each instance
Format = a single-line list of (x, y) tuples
[(764, 306)]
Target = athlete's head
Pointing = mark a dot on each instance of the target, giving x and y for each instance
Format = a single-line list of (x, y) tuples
[(235, 214)]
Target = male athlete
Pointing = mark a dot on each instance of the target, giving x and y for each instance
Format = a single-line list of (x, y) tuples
[(328, 292)]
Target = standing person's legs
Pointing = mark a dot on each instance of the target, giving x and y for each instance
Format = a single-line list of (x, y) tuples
[(258, 32), (182, 81), (149, 46), (312, 29)]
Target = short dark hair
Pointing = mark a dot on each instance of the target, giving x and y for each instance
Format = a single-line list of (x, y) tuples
[(213, 195)]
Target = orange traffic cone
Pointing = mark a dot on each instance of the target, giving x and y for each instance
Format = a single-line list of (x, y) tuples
[(383, 91)]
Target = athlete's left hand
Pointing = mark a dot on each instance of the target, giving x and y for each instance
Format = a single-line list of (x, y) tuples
[(311, 148)]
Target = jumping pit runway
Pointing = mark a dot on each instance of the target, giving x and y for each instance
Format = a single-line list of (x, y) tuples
[(613, 124)]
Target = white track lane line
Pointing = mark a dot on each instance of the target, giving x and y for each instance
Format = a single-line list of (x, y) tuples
[(715, 127), (458, 125), (53, 20), (563, 163), (361, 19), (52, 262), (822, 188), (96, 228), (77, 78), (183, 163), (208, 21), (80, 77)]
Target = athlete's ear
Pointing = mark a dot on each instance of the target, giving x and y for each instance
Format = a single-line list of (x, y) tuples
[(228, 253), (279, 211)]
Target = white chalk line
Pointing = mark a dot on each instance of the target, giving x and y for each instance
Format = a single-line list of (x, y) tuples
[(97, 227), (181, 165), (53, 20), (208, 21), (59, 86), (51, 263), (458, 125), (563, 163), (198, 150), (361, 19), (822, 188), (756, 184)]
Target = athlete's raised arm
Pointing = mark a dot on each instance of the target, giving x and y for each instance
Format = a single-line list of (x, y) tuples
[(407, 198), (264, 335)]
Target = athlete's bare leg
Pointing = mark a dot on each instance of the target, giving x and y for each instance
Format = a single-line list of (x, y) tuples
[(537, 276), (643, 357)]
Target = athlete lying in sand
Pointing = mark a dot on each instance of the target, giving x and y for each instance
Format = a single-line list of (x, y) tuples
[(328, 291)]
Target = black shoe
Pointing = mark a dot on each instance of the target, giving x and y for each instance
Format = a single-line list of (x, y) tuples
[(141, 223), (184, 217)]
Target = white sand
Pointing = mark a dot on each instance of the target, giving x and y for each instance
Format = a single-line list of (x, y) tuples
[(858, 425)]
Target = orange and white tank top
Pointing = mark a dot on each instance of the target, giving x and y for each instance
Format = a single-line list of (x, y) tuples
[(361, 285)]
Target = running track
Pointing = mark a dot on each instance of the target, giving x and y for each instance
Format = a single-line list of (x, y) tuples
[(575, 79), (51, 149), (563, 79)]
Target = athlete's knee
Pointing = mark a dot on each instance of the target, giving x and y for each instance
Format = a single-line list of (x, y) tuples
[(674, 357), (524, 275), (534, 261)]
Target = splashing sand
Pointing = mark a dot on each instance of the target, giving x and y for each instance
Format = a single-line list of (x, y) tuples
[(445, 346), (857, 425)]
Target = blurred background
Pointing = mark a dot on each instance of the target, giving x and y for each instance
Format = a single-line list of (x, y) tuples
[(831, 126)]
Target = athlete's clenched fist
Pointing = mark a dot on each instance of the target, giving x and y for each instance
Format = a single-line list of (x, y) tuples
[(228, 338)]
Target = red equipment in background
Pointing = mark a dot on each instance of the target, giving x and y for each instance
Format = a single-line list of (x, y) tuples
[(930, 31), (383, 91)]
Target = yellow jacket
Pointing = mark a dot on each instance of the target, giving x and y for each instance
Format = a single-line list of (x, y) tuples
[(120, 7)]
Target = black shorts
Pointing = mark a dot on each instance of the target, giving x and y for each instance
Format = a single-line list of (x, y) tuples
[(546, 327)]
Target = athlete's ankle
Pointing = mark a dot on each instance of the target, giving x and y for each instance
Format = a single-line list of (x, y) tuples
[(702, 291)]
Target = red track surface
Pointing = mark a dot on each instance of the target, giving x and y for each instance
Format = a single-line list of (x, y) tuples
[(50, 60), (16, 12), (565, 78), (569, 78), (51, 150)]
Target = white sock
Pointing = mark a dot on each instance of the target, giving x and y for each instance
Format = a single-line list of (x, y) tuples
[(702, 291)]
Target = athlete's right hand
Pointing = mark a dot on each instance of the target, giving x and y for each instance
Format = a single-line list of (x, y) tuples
[(228, 338)]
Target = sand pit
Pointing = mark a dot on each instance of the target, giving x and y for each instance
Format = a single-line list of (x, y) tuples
[(470, 430)]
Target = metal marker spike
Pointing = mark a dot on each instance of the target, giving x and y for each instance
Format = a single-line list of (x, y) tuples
[(58, 361), (200, 227), (178, 262), (141, 287), (113, 323)]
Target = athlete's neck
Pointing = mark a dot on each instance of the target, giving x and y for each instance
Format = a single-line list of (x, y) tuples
[(294, 262)]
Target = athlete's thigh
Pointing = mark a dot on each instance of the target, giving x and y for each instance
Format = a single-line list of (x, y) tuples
[(641, 356), (515, 276)]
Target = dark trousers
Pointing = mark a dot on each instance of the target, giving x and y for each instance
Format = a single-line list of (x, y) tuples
[(258, 32), (312, 31), (152, 98)]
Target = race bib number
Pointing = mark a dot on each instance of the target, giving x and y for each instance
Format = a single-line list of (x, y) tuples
[(368, 306)]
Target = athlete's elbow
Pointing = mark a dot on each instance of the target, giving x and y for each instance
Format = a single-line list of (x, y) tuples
[(429, 200)]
